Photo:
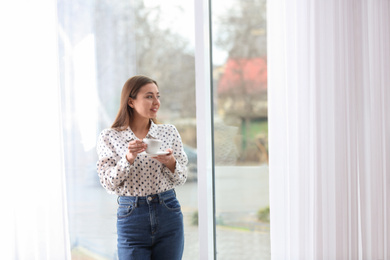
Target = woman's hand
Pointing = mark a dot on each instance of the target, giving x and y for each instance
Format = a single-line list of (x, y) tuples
[(135, 147), (167, 159)]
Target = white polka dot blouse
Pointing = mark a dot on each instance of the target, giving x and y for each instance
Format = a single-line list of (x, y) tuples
[(146, 176)]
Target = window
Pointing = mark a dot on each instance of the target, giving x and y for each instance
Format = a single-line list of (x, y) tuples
[(240, 129), (102, 44)]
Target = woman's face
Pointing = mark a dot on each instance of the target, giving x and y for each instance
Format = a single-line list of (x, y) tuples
[(146, 103)]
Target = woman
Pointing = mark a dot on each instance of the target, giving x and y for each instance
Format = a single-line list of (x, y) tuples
[(149, 218)]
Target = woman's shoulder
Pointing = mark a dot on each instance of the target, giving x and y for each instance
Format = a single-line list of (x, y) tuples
[(168, 127), (109, 132)]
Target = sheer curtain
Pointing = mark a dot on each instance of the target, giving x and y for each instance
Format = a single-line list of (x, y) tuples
[(329, 129), (33, 208)]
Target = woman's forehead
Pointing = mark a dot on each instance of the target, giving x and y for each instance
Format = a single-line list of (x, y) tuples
[(150, 87)]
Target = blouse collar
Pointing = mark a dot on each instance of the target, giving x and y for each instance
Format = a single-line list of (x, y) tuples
[(152, 133)]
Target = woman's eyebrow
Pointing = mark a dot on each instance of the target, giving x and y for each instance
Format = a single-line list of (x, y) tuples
[(147, 93)]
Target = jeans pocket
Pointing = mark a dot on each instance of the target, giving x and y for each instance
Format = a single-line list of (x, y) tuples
[(172, 204), (124, 211)]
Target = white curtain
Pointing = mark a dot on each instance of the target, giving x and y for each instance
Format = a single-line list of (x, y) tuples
[(33, 219), (329, 128)]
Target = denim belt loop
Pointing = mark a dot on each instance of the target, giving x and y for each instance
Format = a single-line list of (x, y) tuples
[(136, 202), (160, 199)]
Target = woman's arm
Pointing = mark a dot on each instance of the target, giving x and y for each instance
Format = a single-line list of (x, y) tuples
[(112, 168), (176, 168)]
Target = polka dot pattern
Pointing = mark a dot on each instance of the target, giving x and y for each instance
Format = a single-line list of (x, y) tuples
[(146, 175)]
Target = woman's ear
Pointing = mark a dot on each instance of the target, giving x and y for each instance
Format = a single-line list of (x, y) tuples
[(130, 102)]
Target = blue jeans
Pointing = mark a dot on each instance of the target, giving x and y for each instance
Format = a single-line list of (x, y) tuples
[(150, 227)]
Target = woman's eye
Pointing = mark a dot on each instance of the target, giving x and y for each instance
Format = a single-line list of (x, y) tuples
[(158, 97), (150, 97)]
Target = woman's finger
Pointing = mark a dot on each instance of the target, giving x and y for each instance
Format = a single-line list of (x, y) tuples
[(136, 144)]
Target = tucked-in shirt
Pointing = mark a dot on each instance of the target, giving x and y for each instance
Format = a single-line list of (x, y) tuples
[(146, 176)]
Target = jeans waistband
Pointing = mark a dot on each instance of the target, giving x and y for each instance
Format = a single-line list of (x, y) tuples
[(136, 200)]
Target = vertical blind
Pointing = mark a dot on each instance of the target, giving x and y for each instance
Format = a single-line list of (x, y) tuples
[(329, 129)]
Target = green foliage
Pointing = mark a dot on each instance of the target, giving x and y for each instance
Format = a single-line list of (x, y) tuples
[(195, 218), (255, 128), (263, 214), (258, 127)]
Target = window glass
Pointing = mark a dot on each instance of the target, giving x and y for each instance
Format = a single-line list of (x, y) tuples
[(101, 44), (240, 129)]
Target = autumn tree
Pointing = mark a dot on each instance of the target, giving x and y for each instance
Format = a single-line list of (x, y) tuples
[(242, 87)]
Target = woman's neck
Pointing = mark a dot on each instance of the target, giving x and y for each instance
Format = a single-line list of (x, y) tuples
[(140, 128)]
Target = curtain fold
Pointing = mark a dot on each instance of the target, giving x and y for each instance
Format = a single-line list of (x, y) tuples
[(32, 195), (329, 129)]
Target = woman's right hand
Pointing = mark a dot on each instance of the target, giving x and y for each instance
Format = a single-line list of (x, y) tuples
[(135, 147)]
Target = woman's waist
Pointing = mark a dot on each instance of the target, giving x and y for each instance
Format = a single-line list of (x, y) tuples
[(158, 197)]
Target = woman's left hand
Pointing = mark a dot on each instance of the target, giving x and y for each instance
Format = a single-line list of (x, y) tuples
[(167, 159)]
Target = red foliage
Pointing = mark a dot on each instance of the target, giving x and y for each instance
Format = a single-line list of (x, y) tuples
[(250, 74)]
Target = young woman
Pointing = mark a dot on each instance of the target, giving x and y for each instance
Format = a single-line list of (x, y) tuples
[(149, 217)]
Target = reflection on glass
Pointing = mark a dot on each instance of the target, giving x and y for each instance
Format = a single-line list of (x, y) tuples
[(101, 44), (240, 129)]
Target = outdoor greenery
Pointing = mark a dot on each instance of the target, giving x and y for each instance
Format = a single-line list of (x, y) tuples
[(195, 218), (258, 127), (263, 214)]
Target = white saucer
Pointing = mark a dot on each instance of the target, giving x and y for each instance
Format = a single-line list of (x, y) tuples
[(154, 154)]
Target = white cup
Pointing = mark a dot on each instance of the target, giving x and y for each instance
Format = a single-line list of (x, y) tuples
[(153, 145)]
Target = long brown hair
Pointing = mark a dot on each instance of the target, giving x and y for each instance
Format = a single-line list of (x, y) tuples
[(130, 89)]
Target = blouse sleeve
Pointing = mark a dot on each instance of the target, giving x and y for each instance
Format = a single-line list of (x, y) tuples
[(179, 176), (112, 168)]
